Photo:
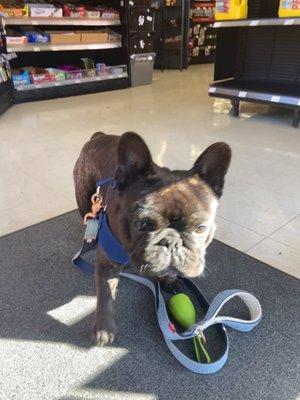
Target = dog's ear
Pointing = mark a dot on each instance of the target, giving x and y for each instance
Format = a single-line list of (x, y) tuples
[(212, 166), (134, 159)]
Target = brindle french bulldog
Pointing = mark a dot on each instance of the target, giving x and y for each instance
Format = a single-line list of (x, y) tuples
[(164, 219)]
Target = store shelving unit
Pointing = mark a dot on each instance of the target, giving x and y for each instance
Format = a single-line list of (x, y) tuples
[(202, 36), (6, 97), (49, 55), (174, 22), (258, 60)]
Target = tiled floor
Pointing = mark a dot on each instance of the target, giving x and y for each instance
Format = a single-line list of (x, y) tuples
[(260, 210)]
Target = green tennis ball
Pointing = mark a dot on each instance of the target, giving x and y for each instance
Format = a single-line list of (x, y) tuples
[(183, 310)]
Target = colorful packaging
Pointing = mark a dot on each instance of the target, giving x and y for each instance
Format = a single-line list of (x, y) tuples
[(72, 11), (101, 69), (72, 72), (18, 12), (57, 74), (16, 40), (231, 9), (289, 8), (20, 78), (37, 36)]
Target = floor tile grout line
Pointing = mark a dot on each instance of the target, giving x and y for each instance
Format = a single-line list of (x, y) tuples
[(269, 236), (282, 226)]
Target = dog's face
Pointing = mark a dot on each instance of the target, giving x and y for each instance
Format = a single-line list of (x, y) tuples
[(167, 218)]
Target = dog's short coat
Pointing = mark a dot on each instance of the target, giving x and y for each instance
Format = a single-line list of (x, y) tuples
[(164, 219)]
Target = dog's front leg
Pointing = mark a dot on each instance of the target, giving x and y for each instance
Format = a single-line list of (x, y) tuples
[(107, 279)]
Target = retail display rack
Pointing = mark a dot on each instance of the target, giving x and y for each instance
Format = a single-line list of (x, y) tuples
[(258, 59), (140, 36), (96, 38), (202, 34), (172, 31)]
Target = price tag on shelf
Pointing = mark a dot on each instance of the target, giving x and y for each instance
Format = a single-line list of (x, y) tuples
[(38, 86), (98, 78), (33, 22), (56, 84), (217, 24), (254, 22), (289, 22), (110, 77), (36, 49), (212, 90), (275, 99), (242, 94), (77, 81)]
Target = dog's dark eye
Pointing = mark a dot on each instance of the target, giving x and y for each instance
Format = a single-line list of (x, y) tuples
[(145, 225), (201, 228)]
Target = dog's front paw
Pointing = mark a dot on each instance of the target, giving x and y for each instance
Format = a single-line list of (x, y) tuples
[(104, 332)]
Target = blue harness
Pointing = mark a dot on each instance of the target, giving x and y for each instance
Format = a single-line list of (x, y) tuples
[(98, 232)]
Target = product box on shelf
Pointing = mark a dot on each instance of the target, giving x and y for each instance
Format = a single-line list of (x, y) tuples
[(108, 13), (57, 74), (45, 10), (11, 11), (95, 36), (37, 36), (20, 77), (92, 14), (64, 37), (113, 37), (289, 8), (39, 75), (101, 69), (72, 72), (87, 63), (16, 39), (69, 10)]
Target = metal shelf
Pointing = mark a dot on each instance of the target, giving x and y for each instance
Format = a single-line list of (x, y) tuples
[(258, 22), (71, 82), (286, 95), (36, 47), (64, 21)]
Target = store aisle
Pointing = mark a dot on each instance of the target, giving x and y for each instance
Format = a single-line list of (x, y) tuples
[(260, 210)]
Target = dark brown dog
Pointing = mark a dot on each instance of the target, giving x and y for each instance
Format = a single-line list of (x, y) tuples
[(164, 219)]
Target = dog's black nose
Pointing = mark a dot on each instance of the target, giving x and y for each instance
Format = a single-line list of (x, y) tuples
[(164, 243)]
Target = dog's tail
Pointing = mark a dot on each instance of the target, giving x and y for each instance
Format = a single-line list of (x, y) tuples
[(96, 135)]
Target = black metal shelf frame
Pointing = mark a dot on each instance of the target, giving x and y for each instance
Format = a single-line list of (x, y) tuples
[(173, 55), (259, 64)]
